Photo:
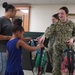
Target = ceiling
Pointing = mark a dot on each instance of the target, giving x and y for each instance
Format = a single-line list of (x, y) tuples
[(54, 2)]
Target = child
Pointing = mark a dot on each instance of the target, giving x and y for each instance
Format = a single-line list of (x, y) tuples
[(14, 51), (18, 22)]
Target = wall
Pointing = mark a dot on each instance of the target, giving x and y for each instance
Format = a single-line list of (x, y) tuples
[(40, 15), (1, 11)]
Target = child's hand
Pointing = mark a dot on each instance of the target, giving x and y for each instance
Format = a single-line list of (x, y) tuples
[(38, 38), (28, 39)]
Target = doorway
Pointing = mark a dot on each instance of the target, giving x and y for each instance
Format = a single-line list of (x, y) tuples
[(23, 12)]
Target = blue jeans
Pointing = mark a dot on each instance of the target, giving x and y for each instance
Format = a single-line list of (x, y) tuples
[(3, 61)]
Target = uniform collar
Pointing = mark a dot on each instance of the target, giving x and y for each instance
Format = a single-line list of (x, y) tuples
[(64, 22)]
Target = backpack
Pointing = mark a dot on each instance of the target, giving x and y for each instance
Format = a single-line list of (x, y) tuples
[(68, 60), (40, 61)]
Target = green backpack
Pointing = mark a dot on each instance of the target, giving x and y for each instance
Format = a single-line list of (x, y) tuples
[(41, 61)]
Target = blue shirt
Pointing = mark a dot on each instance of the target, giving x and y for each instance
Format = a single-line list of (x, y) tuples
[(14, 64)]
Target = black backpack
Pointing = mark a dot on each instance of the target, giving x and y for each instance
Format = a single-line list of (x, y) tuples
[(70, 54)]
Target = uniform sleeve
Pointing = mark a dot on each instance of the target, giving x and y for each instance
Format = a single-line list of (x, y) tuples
[(49, 31)]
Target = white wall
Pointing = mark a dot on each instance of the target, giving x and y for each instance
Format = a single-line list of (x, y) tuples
[(1, 11), (40, 15)]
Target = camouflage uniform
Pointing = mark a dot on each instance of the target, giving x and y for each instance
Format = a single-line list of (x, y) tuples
[(50, 43), (63, 32)]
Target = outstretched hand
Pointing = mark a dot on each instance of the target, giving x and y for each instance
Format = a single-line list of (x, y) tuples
[(41, 45), (42, 39)]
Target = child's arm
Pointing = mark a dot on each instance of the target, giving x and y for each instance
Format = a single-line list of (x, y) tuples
[(6, 53), (27, 47)]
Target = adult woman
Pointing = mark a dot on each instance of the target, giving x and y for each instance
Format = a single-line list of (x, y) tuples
[(5, 33), (63, 30)]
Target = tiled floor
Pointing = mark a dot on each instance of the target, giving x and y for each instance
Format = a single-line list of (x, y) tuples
[(30, 73)]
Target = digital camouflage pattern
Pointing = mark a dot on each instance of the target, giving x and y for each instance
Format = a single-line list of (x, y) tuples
[(63, 32), (50, 43)]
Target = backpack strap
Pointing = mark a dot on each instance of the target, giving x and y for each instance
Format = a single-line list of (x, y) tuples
[(73, 61), (69, 65), (32, 43), (70, 55), (39, 68)]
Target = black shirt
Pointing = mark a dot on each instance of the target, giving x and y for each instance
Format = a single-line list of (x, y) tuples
[(5, 29)]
